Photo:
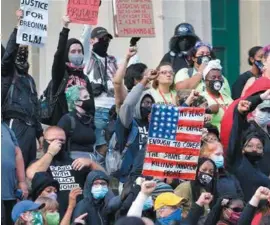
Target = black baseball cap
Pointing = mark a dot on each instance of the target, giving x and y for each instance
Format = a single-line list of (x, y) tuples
[(100, 32)]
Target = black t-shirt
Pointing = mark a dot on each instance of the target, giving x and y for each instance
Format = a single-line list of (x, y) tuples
[(68, 179), (143, 132), (83, 137), (178, 62), (240, 83)]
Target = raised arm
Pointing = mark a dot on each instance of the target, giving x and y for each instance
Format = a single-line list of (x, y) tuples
[(59, 62), (234, 153), (9, 57), (44, 162), (120, 91), (248, 214), (127, 109), (85, 40)]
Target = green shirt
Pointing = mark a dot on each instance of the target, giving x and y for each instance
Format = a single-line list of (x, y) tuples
[(182, 75), (224, 101), (161, 98)]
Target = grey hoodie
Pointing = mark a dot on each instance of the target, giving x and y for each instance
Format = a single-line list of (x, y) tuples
[(131, 107)]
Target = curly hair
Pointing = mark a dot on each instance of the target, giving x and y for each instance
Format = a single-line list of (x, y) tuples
[(73, 95), (192, 53)]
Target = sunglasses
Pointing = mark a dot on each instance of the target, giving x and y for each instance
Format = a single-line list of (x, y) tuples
[(237, 209)]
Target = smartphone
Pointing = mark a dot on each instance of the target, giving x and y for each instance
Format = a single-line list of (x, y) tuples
[(133, 41), (19, 194)]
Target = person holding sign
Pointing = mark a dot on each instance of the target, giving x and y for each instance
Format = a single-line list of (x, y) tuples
[(163, 87), (213, 94), (19, 97), (132, 127), (67, 71)]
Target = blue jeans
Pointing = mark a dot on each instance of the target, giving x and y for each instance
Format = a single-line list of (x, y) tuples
[(101, 122)]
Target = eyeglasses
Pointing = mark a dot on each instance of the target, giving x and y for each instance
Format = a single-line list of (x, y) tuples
[(164, 208), (164, 72)]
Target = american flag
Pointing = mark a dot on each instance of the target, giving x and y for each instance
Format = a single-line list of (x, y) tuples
[(173, 141)]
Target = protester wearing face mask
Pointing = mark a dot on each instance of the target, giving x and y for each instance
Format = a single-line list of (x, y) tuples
[(19, 97), (27, 213), (226, 183), (96, 197), (163, 88), (206, 178), (50, 212), (78, 124), (43, 185), (57, 162), (132, 126), (67, 71), (100, 69), (213, 94), (231, 209), (192, 78), (255, 56), (244, 155), (265, 69), (183, 40)]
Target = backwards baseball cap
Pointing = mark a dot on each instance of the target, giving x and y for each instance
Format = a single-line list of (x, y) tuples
[(100, 32), (24, 206), (167, 199), (265, 104)]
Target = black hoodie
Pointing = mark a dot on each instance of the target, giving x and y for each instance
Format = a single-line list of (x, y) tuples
[(98, 212), (64, 75)]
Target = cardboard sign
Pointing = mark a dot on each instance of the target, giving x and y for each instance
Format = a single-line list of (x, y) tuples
[(83, 11), (133, 18), (34, 24), (174, 142)]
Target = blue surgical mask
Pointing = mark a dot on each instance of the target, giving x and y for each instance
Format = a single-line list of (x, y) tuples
[(219, 161), (76, 59), (148, 204), (175, 216), (52, 195), (99, 191)]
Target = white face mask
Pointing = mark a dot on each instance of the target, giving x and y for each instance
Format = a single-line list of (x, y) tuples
[(262, 118)]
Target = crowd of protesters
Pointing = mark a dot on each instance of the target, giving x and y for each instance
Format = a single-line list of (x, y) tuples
[(90, 169)]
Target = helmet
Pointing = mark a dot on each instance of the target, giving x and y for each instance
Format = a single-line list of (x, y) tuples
[(185, 29)]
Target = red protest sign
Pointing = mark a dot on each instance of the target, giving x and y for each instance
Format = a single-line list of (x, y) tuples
[(174, 141), (83, 11), (133, 18)]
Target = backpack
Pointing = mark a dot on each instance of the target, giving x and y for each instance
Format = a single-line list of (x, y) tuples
[(48, 101)]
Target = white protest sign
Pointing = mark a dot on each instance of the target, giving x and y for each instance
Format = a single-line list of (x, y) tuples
[(33, 26)]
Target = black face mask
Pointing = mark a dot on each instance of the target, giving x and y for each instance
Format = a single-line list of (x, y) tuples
[(205, 179), (86, 105), (259, 65), (253, 157), (203, 59), (145, 111), (21, 59), (101, 48), (184, 45), (215, 85)]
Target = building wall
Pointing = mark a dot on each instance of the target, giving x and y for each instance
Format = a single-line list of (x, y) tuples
[(167, 14)]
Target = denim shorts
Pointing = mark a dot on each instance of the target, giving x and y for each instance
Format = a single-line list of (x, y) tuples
[(101, 122)]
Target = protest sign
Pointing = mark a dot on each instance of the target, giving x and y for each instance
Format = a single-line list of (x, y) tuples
[(133, 18), (83, 11), (32, 29), (174, 142)]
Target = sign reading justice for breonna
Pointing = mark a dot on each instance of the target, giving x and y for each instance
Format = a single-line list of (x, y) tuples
[(174, 142), (33, 26)]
